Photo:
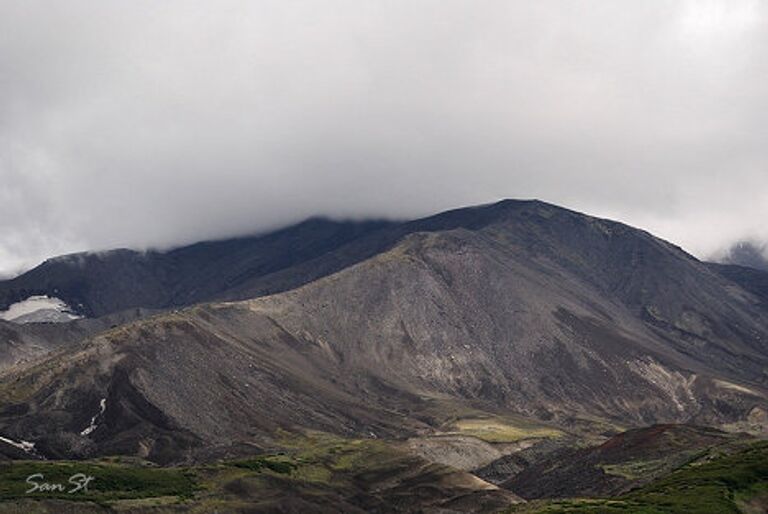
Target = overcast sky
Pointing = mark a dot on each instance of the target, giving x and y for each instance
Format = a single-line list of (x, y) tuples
[(158, 123)]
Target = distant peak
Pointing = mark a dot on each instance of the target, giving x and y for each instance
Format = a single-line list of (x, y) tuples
[(748, 253)]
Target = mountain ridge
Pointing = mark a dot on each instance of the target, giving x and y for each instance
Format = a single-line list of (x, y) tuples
[(520, 308), (99, 283)]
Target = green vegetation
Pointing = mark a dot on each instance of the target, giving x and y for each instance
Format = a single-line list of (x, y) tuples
[(312, 458), (638, 469), (321, 456), (278, 464), (498, 430), (110, 482), (308, 464), (585, 506), (315, 466), (730, 479), (710, 484), (717, 483)]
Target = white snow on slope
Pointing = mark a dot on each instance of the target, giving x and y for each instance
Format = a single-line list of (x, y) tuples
[(39, 309), (90, 428), (21, 445)]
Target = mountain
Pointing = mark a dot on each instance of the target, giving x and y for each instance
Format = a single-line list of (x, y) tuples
[(519, 308), (435, 363), (97, 284), (747, 254)]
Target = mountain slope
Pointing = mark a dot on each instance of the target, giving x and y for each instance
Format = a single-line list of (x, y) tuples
[(752, 280), (727, 478), (622, 463), (747, 254), (517, 307), (96, 284), (22, 343)]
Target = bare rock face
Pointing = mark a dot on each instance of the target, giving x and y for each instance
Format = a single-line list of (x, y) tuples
[(517, 307)]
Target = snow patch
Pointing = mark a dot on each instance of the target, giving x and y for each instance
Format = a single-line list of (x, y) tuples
[(90, 428), (39, 309), (21, 445)]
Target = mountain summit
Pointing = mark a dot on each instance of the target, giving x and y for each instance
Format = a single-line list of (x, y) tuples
[(383, 329)]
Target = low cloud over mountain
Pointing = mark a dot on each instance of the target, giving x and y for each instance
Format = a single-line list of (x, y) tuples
[(143, 124)]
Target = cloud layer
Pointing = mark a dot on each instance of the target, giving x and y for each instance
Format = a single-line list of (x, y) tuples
[(158, 123)]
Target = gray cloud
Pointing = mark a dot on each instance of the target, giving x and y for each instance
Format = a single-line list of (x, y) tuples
[(151, 124)]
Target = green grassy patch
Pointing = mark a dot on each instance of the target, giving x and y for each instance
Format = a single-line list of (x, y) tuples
[(710, 485), (317, 457), (277, 463), (31, 480), (636, 470), (718, 483), (585, 506), (498, 430)]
